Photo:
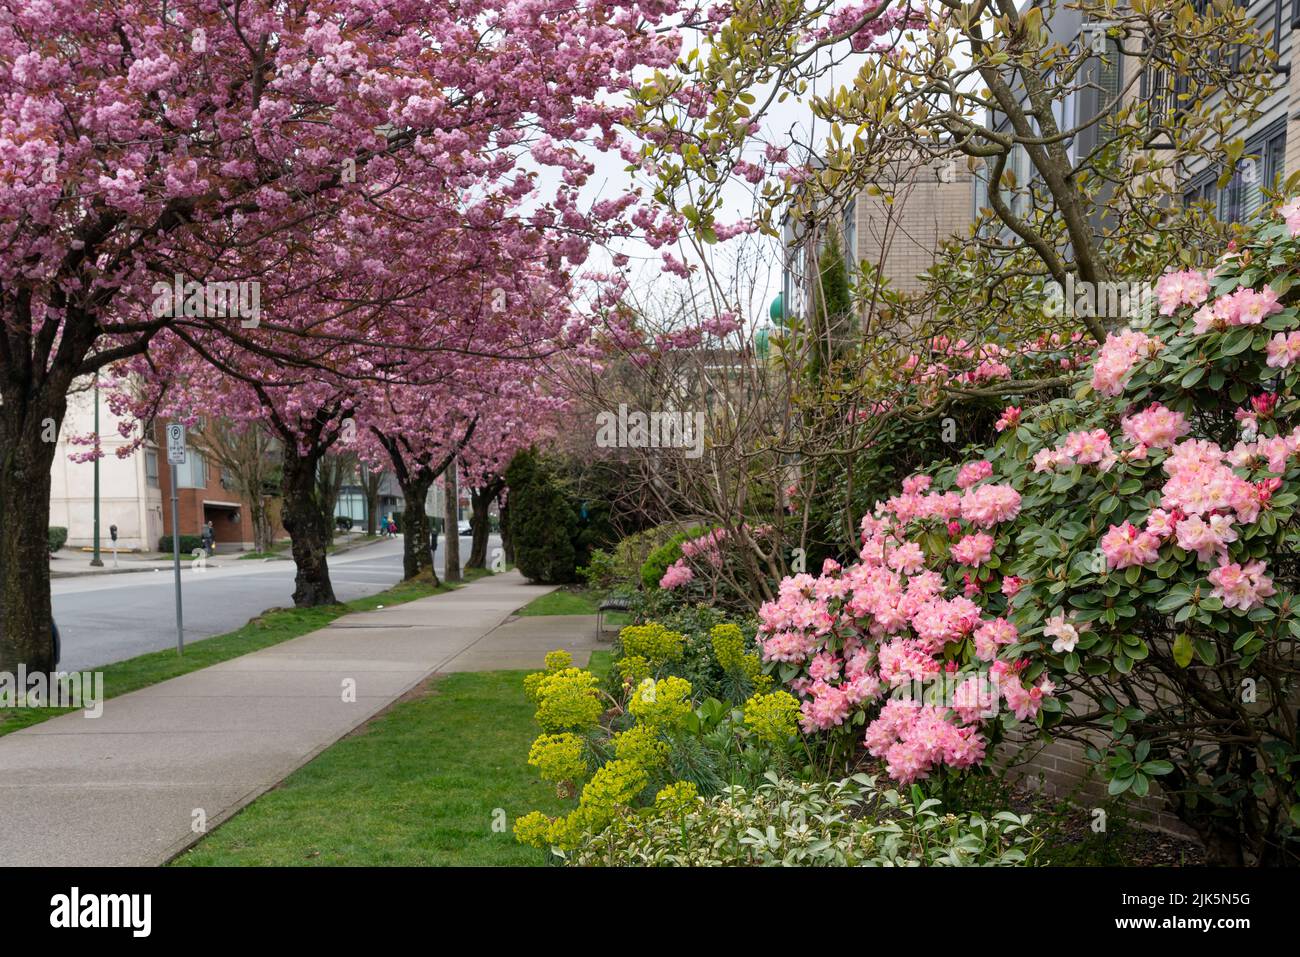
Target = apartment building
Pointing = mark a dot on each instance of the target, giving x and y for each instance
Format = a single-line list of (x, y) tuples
[(895, 226), (135, 489), (130, 495), (1272, 140)]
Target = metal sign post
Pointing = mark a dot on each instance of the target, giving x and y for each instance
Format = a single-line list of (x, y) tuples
[(175, 457)]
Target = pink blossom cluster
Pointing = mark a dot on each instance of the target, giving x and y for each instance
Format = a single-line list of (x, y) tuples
[(973, 472), (913, 739), (1117, 357), (1244, 307), (1240, 586), (885, 623), (1154, 427), (973, 550), (677, 574), (1084, 448), (1177, 289), (1283, 349), (1291, 213)]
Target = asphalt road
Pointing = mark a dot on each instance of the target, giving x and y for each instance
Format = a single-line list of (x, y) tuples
[(106, 618)]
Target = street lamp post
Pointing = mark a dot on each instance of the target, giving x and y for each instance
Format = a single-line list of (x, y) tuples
[(95, 560)]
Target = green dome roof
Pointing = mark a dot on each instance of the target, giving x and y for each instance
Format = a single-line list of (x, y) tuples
[(776, 312)]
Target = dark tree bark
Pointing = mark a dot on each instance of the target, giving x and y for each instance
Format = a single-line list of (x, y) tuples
[(415, 476), (507, 540), (309, 529), (26, 456), (481, 499), (417, 555), (371, 479), (451, 556)]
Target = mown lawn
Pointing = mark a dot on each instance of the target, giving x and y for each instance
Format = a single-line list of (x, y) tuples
[(438, 779), (263, 631), (419, 785), (572, 602)]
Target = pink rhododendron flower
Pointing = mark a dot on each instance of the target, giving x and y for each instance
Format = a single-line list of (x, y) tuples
[(973, 472), (1155, 427), (1117, 357), (1242, 587), (1009, 419), (1011, 586), (990, 636), (679, 573), (1283, 349), (973, 550), (1125, 545), (1089, 448), (1291, 213), (987, 505), (1066, 635), (1177, 289), (1206, 538)]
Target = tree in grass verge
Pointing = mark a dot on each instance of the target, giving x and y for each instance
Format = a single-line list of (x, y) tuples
[(543, 527)]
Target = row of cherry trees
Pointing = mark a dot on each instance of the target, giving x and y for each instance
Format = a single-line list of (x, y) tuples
[(401, 180)]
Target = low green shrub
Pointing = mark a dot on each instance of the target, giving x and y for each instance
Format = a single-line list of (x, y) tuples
[(788, 823), (187, 543), (658, 560), (57, 537), (655, 743), (600, 572)]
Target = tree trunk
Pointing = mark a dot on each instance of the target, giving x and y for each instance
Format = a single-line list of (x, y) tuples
[(28, 431), (417, 556), (308, 528), (480, 500), (451, 560), (507, 541), (260, 516), (372, 480)]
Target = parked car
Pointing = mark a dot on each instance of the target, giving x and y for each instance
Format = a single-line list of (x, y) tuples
[(465, 529)]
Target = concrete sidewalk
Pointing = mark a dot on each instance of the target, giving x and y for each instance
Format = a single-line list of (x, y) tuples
[(127, 787)]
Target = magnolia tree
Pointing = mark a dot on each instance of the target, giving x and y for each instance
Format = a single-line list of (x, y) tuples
[(1101, 104), (1118, 568)]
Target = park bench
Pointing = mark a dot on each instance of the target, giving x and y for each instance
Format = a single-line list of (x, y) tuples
[(610, 603)]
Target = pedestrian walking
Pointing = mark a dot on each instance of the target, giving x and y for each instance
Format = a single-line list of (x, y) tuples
[(208, 537)]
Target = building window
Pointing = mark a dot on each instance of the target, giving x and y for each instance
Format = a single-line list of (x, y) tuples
[(1262, 168), (151, 468), (194, 473)]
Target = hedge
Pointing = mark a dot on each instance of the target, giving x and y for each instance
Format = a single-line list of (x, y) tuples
[(57, 537)]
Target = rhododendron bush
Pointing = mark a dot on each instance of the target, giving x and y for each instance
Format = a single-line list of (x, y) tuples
[(1118, 568)]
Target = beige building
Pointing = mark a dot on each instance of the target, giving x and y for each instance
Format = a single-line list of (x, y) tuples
[(895, 227), (129, 492)]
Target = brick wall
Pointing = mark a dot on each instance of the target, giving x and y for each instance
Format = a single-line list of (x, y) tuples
[(231, 525), (1063, 770), (899, 230)]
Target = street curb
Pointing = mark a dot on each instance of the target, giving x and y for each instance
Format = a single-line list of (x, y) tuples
[(165, 563)]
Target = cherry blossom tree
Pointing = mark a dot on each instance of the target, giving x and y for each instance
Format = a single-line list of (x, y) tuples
[(217, 142)]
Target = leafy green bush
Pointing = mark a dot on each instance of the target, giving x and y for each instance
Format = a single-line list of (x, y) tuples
[(543, 526), (787, 823), (657, 562), (187, 543), (599, 572), (630, 553), (653, 745), (58, 537)]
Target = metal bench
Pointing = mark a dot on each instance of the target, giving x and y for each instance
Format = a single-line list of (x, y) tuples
[(610, 603)]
